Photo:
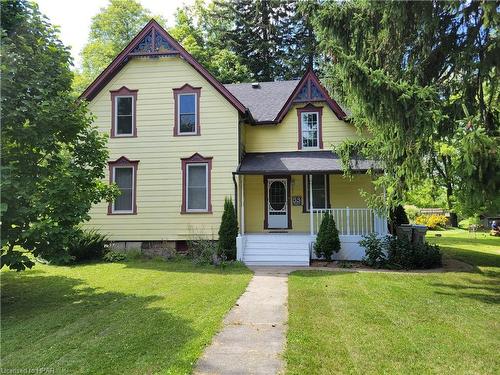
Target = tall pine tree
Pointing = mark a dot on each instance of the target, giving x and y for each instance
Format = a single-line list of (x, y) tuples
[(422, 79)]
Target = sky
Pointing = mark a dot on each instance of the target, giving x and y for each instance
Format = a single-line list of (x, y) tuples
[(74, 16)]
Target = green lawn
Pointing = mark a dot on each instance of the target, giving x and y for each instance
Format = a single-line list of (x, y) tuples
[(442, 323), (139, 317)]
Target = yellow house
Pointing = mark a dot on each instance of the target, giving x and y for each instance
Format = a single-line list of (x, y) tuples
[(180, 142)]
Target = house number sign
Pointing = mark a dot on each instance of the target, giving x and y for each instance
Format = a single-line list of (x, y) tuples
[(297, 200)]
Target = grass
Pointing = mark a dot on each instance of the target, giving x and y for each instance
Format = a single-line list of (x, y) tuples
[(139, 317), (371, 323)]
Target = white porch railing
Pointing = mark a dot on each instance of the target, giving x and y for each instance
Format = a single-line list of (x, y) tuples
[(353, 221)]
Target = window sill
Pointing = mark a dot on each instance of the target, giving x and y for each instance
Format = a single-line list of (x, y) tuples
[(187, 134), (124, 136), (196, 212), (122, 213)]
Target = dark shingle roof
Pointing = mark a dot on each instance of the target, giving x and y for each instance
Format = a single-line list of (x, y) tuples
[(299, 162), (265, 101)]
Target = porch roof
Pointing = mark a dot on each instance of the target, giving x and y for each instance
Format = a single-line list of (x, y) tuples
[(299, 162)]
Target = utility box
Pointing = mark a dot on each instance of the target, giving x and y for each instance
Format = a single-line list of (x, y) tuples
[(419, 232), (405, 231)]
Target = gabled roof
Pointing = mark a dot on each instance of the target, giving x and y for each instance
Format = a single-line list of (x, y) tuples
[(153, 40), (265, 101), (269, 102)]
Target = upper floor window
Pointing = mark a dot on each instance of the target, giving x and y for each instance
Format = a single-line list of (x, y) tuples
[(310, 130), (187, 110), (123, 114), (196, 191), (123, 173), (187, 114)]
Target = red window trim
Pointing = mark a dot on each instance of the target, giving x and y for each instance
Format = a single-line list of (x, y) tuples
[(305, 192), (310, 108), (196, 159), (186, 89), (123, 91), (124, 162), (289, 200)]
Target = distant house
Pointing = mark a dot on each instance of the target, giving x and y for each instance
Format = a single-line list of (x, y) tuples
[(180, 142)]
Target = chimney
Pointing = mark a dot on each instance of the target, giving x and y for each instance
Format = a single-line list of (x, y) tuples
[(255, 85)]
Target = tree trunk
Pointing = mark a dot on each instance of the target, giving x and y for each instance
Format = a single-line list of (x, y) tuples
[(453, 215)]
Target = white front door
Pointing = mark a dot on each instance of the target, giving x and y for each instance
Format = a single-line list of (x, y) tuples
[(277, 203)]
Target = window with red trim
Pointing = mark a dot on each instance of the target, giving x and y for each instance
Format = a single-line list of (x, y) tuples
[(187, 110), (310, 128), (123, 113), (123, 173), (196, 184)]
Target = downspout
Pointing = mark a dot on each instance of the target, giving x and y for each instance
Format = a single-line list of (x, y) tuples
[(235, 194)]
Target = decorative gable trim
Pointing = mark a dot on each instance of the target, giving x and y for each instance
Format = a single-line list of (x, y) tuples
[(154, 41), (310, 89)]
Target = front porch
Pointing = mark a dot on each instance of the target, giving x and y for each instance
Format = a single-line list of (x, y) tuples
[(280, 209)]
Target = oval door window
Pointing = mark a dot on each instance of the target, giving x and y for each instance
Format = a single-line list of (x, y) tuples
[(277, 195)]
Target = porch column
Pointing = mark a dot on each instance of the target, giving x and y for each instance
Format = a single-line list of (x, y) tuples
[(242, 219), (311, 213)]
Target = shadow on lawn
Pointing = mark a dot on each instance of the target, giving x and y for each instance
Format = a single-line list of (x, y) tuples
[(61, 320), (486, 289)]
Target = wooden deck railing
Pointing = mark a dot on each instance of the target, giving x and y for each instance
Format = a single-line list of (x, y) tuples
[(353, 221)]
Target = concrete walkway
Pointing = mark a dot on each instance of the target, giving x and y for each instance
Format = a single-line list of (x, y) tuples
[(253, 336)]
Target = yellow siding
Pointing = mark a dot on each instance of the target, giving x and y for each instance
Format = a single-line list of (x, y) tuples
[(284, 136), (159, 183), (343, 193)]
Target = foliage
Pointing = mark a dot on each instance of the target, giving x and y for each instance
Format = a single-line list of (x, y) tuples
[(228, 231), (398, 216), (115, 256), (243, 40), (403, 254), (87, 245), (53, 160), (327, 240), (412, 212), (375, 255), (421, 81), (394, 252), (110, 31), (427, 194), (432, 221), (203, 251)]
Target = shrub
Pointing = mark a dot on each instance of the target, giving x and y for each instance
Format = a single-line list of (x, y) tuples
[(228, 231), (412, 212), (203, 251), (397, 217), (327, 240), (393, 252), (115, 256), (88, 245), (432, 221), (403, 254), (374, 250)]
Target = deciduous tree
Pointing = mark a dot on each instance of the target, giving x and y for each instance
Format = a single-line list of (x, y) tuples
[(53, 160)]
